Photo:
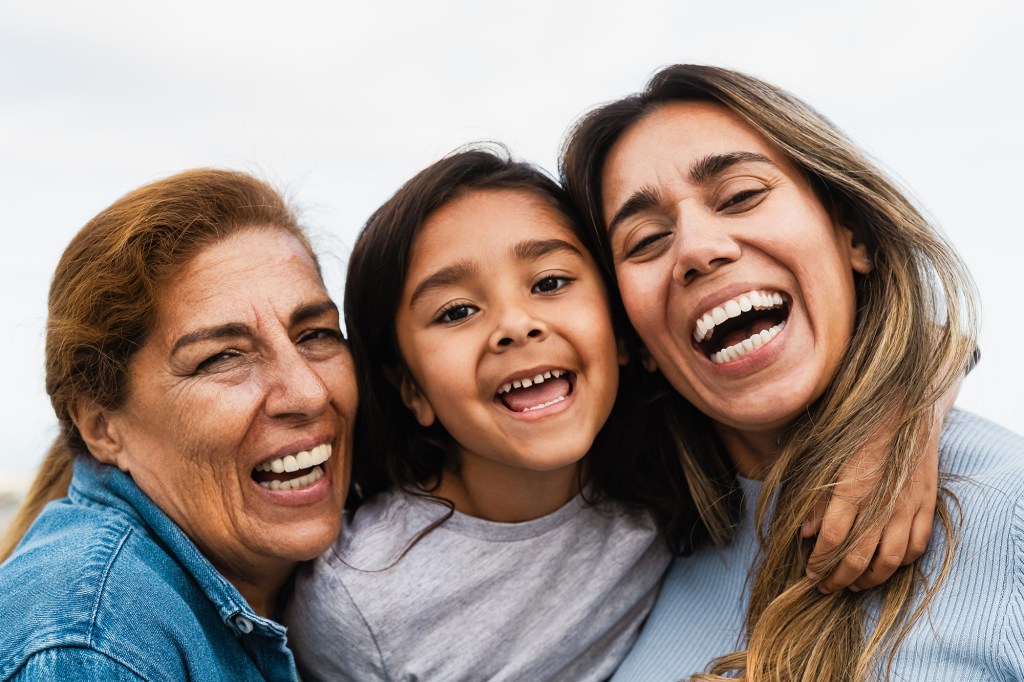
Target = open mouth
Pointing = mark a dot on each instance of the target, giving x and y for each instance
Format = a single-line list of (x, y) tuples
[(538, 391), (736, 328), (293, 471)]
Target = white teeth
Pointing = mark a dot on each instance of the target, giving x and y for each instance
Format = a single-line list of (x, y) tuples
[(747, 346), (300, 460), (530, 381), (752, 300), (300, 482)]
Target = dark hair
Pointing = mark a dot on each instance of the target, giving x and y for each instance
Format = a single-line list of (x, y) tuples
[(105, 292), (391, 447)]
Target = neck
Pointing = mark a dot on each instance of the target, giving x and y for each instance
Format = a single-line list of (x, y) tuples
[(262, 594), (498, 492), (753, 452)]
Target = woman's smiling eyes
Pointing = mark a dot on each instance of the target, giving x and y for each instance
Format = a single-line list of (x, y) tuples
[(650, 235), (311, 342)]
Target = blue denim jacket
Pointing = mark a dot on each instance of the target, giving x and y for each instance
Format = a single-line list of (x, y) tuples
[(105, 587)]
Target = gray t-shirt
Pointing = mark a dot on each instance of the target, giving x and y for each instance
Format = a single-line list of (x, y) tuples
[(561, 597)]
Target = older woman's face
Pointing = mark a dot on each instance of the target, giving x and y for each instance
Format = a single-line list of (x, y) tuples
[(245, 378), (731, 270)]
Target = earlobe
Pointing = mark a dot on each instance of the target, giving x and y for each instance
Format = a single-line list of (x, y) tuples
[(860, 261), (416, 401), (101, 434)]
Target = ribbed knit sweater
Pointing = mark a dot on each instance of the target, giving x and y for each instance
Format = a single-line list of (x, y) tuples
[(974, 627)]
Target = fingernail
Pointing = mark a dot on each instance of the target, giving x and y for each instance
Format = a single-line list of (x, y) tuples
[(824, 590)]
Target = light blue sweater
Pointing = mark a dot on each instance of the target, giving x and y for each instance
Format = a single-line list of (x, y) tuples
[(974, 629)]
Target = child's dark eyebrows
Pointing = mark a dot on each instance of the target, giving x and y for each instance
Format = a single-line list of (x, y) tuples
[(533, 249), (442, 278)]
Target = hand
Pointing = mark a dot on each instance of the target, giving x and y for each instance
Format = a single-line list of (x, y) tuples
[(897, 541)]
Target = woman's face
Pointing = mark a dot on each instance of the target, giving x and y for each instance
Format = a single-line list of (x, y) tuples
[(243, 389), (731, 270)]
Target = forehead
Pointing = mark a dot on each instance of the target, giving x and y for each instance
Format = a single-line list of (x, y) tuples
[(229, 279), (485, 223), (696, 127)]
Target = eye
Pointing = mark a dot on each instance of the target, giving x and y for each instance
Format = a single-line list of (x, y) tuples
[(455, 312), (646, 243), (322, 334), (551, 284), (743, 200), (216, 361)]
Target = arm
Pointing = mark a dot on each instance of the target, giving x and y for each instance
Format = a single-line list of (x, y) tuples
[(904, 537)]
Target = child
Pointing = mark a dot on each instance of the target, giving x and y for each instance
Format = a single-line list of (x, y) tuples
[(488, 365), (512, 515)]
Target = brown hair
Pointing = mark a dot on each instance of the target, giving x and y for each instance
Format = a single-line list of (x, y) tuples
[(105, 291), (914, 332)]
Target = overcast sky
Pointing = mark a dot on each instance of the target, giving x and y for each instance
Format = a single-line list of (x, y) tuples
[(338, 103)]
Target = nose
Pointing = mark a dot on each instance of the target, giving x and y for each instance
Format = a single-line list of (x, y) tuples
[(516, 324), (295, 389), (704, 244)]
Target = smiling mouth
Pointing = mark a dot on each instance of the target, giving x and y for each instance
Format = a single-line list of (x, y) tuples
[(538, 391), (293, 471), (736, 328)]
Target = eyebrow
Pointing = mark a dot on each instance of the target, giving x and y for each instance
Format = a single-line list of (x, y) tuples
[(700, 172), (233, 330), (533, 249), (444, 277), (530, 249)]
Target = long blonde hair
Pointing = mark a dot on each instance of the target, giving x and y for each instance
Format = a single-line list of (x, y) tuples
[(104, 295), (915, 331)]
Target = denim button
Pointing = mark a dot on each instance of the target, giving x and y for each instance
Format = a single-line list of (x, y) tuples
[(243, 624)]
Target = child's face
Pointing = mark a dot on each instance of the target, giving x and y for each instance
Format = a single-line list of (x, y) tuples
[(499, 293)]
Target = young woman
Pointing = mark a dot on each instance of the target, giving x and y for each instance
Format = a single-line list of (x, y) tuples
[(792, 297)]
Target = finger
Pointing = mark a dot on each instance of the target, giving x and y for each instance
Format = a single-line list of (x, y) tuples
[(836, 523), (920, 532), (852, 566), (888, 557), (810, 527)]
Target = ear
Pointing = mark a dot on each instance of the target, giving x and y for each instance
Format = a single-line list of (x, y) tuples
[(99, 430), (414, 399), (860, 261)]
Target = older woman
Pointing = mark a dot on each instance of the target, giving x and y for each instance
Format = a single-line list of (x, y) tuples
[(790, 293), (206, 399)]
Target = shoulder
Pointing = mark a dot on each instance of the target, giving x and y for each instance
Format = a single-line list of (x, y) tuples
[(972, 446), (74, 663), (982, 465), (92, 579), (382, 529)]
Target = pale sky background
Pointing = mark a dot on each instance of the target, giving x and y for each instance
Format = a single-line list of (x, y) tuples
[(338, 103)]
